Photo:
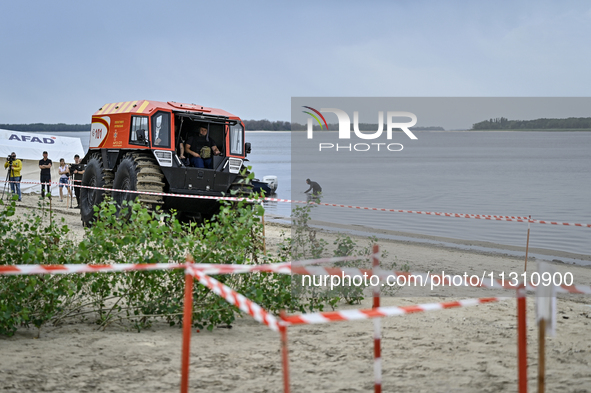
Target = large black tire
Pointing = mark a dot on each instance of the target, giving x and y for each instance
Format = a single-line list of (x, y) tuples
[(125, 179), (138, 172), (93, 177)]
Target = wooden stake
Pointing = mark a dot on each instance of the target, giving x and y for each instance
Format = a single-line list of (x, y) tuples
[(527, 246), (70, 193), (264, 237), (541, 355), (50, 210)]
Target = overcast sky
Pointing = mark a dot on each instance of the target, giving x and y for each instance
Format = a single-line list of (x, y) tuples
[(62, 60)]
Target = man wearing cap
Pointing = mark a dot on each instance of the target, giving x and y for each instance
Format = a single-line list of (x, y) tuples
[(15, 174), (45, 166)]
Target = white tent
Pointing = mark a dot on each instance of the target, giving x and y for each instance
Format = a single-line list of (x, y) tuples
[(29, 148)]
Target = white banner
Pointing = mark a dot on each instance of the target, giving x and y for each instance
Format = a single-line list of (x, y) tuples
[(29, 148)]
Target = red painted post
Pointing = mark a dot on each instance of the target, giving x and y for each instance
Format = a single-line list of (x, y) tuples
[(375, 264), (377, 333), (522, 338), (284, 354), (187, 322)]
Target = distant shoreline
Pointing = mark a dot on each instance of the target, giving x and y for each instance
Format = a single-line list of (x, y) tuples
[(465, 130), (443, 131), (539, 130)]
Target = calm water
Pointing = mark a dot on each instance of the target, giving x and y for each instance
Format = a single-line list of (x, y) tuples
[(543, 174)]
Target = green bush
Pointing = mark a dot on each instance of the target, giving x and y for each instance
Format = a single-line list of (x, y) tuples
[(135, 235), (134, 299), (306, 242), (35, 299)]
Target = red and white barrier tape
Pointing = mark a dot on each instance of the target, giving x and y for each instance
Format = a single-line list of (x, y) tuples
[(424, 279), (560, 223), (458, 215), (461, 215), (208, 268), (80, 268), (145, 192), (244, 304), (380, 312)]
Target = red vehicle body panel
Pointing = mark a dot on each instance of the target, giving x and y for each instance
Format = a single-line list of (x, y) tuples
[(111, 124)]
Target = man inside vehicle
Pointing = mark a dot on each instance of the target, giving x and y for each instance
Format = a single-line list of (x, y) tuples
[(200, 148)]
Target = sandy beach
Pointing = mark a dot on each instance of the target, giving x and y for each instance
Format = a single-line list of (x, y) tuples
[(470, 349)]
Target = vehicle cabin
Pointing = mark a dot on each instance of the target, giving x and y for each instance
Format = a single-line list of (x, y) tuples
[(150, 124)]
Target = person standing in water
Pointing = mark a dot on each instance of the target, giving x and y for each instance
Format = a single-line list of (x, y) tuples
[(314, 187)]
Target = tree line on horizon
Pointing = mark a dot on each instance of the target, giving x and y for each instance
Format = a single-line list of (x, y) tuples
[(502, 123), (250, 125), (46, 127)]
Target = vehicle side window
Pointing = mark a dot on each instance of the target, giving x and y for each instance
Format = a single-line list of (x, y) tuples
[(139, 130), (236, 139), (161, 129)]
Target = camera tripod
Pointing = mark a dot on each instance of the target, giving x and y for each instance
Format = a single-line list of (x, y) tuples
[(7, 179)]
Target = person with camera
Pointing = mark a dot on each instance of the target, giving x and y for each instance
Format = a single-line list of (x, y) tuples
[(14, 167), (45, 166), (77, 170)]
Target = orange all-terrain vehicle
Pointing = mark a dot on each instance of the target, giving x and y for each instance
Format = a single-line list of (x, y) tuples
[(137, 145)]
